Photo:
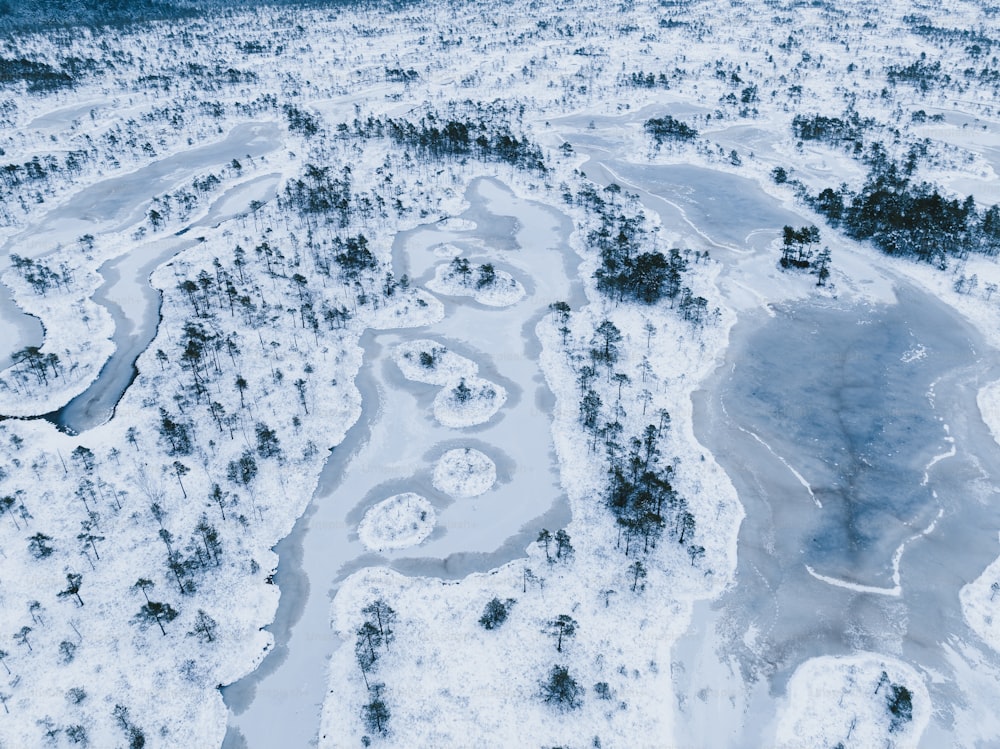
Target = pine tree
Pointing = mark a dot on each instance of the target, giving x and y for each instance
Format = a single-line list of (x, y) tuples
[(205, 627), (561, 627), (561, 690), (73, 583)]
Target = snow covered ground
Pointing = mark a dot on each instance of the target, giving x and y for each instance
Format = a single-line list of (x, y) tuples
[(249, 139), (498, 288), (831, 702), (471, 401)]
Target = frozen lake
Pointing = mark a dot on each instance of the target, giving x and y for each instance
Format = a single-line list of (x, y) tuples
[(853, 438), (394, 446)]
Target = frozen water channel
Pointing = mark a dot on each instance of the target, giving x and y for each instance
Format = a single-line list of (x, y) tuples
[(117, 203), (135, 305), (394, 446)]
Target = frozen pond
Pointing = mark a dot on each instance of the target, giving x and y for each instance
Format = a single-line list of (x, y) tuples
[(710, 209), (855, 443), (396, 443)]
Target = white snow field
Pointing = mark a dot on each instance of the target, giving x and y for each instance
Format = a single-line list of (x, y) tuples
[(325, 397)]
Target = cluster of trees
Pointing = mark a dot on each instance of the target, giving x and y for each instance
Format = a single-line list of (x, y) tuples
[(563, 551), (921, 74), (320, 192), (639, 493), (487, 138), (970, 284), (116, 13), (462, 394), (798, 251), (833, 130), (973, 40), (38, 77), (640, 79), (100, 507), (180, 204), (667, 129), (485, 274), (797, 244), (135, 735), (399, 75), (641, 497), (24, 182), (31, 362), (373, 635), (908, 218), (629, 269), (897, 213), (898, 700), (40, 276), (300, 121)]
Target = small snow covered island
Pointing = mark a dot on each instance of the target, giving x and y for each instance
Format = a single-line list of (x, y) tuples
[(604, 374)]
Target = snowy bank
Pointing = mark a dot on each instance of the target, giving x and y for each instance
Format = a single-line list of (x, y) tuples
[(981, 605)]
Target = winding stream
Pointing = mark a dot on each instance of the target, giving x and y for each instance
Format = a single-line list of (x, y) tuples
[(135, 305), (395, 444), (115, 204)]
